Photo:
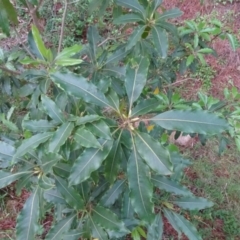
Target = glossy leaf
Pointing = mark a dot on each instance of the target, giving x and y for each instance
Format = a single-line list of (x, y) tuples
[(68, 62), (186, 227), (170, 217), (89, 161), (93, 38), (96, 230), (38, 125), (113, 160), (191, 121), (7, 12), (73, 235), (155, 230), (70, 195), (60, 228), (27, 221), (127, 209), (80, 88), (171, 186), (157, 157), (60, 136), (128, 18), (135, 37), (160, 40), (136, 77), (108, 220), (69, 52), (88, 119), (172, 13), (54, 196), (32, 143), (7, 178), (133, 4), (6, 153), (109, 198), (145, 106), (113, 99), (86, 139), (193, 203), (141, 189), (40, 45), (157, 3), (52, 109), (100, 129)]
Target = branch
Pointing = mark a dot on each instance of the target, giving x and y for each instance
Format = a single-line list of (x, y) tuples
[(10, 71), (62, 27)]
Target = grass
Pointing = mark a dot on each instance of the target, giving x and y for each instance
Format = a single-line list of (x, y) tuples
[(216, 178)]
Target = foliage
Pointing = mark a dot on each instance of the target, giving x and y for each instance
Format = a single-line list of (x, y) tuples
[(90, 142)]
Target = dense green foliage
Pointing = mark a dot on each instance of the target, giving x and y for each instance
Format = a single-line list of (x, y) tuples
[(90, 144)]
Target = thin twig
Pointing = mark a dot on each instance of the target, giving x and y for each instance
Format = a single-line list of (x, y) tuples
[(32, 10), (24, 46), (62, 27), (9, 70), (184, 80)]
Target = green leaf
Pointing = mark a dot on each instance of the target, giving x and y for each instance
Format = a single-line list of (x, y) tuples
[(135, 37), (88, 119), (133, 4), (109, 198), (8, 123), (7, 178), (141, 189), (6, 153), (113, 99), (62, 169), (145, 106), (60, 228), (100, 129), (193, 203), (54, 196), (27, 221), (86, 139), (205, 50), (157, 157), (116, 56), (80, 88), (190, 59), (38, 125), (232, 41), (45, 53), (128, 18), (191, 121), (170, 217), (31, 143), (69, 52), (96, 230), (68, 62), (172, 13), (48, 161), (93, 38), (155, 230), (196, 40), (113, 160), (156, 4), (70, 195), (136, 77), (52, 109), (160, 39), (7, 12), (127, 209), (60, 136), (73, 235), (90, 160), (170, 186), (109, 220), (187, 228)]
